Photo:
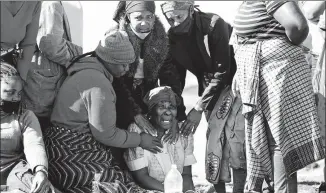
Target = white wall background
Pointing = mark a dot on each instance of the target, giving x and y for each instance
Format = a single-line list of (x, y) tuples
[(98, 17)]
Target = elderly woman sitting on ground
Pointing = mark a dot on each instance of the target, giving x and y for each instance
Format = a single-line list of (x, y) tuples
[(149, 169)]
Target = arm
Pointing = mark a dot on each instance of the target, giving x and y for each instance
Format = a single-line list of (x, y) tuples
[(33, 142), (50, 37), (99, 100), (313, 9), (138, 165), (145, 181), (288, 14), (169, 76), (321, 25), (221, 60), (29, 42), (188, 184), (132, 109), (124, 93)]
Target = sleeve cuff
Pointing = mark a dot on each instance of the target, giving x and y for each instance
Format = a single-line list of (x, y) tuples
[(137, 164), (190, 160), (34, 164), (199, 106)]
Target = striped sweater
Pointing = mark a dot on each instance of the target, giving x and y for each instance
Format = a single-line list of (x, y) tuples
[(254, 21)]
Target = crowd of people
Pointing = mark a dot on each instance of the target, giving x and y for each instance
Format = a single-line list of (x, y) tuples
[(114, 119)]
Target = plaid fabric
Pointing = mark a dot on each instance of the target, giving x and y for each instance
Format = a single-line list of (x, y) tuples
[(284, 103)]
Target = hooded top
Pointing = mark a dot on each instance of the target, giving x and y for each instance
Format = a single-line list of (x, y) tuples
[(86, 104)]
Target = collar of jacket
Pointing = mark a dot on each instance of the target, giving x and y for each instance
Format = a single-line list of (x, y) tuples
[(202, 22), (155, 45)]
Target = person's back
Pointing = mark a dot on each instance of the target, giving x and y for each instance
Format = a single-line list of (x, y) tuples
[(51, 59), (84, 120), (274, 82)]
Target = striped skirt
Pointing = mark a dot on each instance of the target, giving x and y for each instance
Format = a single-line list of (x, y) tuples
[(80, 164), (275, 77)]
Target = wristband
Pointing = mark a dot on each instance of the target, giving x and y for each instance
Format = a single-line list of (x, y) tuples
[(44, 171)]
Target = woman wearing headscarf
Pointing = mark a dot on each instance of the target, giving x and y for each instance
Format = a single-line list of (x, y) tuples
[(149, 40), (84, 122), (199, 42), (149, 169), (274, 82), (19, 26), (24, 164)]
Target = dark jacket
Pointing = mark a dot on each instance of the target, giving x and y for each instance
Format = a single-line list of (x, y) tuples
[(156, 67), (219, 64)]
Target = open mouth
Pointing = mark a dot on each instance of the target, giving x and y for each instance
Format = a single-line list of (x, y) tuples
[(166, 122)]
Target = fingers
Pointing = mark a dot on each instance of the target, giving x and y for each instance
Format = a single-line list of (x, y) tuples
[(167, 138), (195, 128), (44, 188), (157, 143), (52, 188), (34, 186), (155, 150), (183, 126), (176, 138), (187, 129)]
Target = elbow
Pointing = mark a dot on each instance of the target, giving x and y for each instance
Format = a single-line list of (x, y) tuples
[(297, 34), (312, 15), (303, 31)]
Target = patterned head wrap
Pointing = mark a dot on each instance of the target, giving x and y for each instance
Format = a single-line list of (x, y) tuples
[(163, 93), (8, 70), (176, 5), (133, 6), (125, 7)]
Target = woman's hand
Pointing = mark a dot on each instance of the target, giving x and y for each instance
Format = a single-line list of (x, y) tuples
[(143, 123), (191, 123), (172, 135), (150, 143), (40, 183)]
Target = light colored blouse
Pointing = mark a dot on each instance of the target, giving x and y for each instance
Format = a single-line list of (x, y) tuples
[(21, 135), (159, 164)]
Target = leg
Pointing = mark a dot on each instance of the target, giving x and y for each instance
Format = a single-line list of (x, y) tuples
[(220, 187), (239, 180), (282, 183)]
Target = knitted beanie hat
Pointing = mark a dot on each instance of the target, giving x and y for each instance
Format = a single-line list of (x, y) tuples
[(115, 48)]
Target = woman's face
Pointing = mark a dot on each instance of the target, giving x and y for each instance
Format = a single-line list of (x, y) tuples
[(11, 88), (176, 17), (164, 114), (116, 70), (142, 21)]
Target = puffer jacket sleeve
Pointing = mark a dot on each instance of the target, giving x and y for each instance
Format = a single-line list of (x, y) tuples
[(50, 38)]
